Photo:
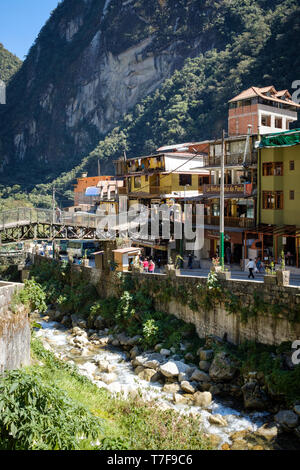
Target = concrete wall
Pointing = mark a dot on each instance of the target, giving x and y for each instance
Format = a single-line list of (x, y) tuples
[(264, 328), (14, 331)]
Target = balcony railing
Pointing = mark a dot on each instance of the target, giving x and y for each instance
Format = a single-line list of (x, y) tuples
[(160, 189), (231, 160), (242, 222)]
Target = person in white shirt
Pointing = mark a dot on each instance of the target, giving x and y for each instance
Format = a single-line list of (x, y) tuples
[(251, 266)]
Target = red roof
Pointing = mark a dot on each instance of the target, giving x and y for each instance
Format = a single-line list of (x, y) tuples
[(261, 92)]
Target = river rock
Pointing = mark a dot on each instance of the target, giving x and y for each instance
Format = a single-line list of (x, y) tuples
[(206, 354), (105, 340), (297, 409), (171, 388), (99, 322), (115, 342), (183, 377), (222, 368), (267, 431), (174, 368), (152, 364), (165, 352), (138, 370), (287, 419), (200, 376), (202, 399), (187, 387), (179, 399), (147, 374), (204, 365), (189, 357), (75, 319), (217, 420), (108, 378), (82, 324), (134, 352), (254, 397)]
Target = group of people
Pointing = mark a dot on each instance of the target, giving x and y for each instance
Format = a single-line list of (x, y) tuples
[(148, 265)]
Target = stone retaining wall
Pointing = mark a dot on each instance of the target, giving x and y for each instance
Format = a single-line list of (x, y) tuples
[(14, 331), (264, 328)]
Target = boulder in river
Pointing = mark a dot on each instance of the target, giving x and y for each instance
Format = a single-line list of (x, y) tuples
[(200, 376), (217, 420), (287, 419), (187, 387), (222, 369), (171, 388), (174, 368), (202, 399), (255, 398)]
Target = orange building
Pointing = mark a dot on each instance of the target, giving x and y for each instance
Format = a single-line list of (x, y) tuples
[(86, 182)]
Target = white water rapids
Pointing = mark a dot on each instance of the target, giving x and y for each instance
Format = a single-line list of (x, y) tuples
[(57, 339)]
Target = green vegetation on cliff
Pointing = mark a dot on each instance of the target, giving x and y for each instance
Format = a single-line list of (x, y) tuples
[(243, 43), (9, 64)]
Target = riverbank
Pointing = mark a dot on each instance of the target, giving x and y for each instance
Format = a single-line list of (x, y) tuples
[(161, 351)]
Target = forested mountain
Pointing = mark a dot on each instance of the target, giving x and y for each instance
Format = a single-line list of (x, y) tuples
[(155, 74), (9, 64)]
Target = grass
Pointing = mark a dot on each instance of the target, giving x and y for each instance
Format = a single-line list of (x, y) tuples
[(128, 423)]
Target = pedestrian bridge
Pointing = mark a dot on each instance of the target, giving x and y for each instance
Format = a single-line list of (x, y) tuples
[(40, 224), (27, 223)]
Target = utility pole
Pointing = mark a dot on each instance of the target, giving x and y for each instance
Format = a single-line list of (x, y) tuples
[(222, 202), (99, 172), (53, 205)]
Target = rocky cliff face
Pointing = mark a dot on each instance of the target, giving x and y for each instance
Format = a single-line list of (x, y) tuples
[(92, 62)]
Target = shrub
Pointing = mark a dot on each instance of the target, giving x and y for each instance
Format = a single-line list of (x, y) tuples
[(32, 296), (34, 416)]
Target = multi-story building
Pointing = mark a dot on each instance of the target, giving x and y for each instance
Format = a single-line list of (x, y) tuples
[(279, 219), (164, 177), (168, 177), (265, 109)]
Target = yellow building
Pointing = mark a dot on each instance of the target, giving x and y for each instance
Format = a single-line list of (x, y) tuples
[(163, 176), (280, 191)]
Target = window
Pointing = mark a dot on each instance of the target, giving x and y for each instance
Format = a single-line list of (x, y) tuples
[(278, 123), (292, 165), (266, 120), (203, 180), (292, 195), (273, 200), (273, 169), (137, 182), (185, 180)]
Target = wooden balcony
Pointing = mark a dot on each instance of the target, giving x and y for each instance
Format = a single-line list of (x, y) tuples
[(160, 190), (241, 222), (230, 160)]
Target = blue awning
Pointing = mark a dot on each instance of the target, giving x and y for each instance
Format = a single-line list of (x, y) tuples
[(92, 191)]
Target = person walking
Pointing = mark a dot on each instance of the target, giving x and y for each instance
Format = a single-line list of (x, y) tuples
[(190, 261), (251, 266)]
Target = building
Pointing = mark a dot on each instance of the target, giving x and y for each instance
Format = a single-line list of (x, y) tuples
[(240, 159), (81, 196), (163, 177), (279, 218), (171, 176), (265, 109)]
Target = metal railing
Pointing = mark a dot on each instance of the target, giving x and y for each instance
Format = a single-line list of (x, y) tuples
[(242, 222), (28, 216), (231, 159)]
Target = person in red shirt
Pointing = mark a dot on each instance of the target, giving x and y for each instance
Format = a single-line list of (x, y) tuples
[(151, 267), (146, 265)]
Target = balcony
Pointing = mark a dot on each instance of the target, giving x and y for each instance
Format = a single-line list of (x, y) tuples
[(230, 160), (240, 222), (160, 189)]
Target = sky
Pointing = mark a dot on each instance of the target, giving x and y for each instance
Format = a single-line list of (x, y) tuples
[(21, 22)]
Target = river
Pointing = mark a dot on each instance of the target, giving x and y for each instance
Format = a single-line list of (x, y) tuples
[(58, 339)]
